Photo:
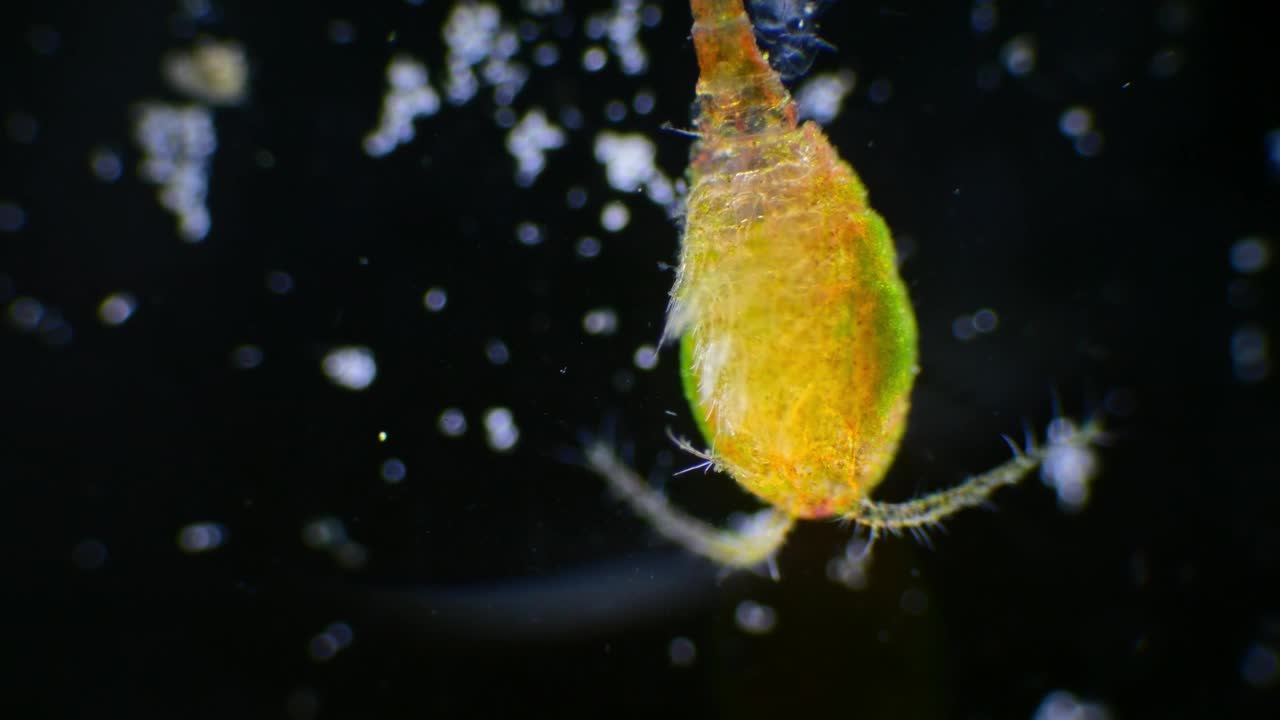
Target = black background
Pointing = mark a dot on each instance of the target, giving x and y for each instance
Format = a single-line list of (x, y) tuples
[(511, 584)]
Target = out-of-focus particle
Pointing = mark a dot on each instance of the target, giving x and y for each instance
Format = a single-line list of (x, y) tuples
[(116, 308), (106, 164), (452, 423), (497, 352), (614, 216), (12, 217), (500, 429), (601, 321), (89, 554), (351, 367), (588, 247), (409, 97), (435, 299), (246, 357), (1260, 666), (1062, 705), (754, 618), (25, 313), (645, 357), (529, 141), (821, 96), (177, 143), (201, 537), (1068, 467), (1250, 255), (213, 72), (393, 470), (1018, 55), (682, 651)]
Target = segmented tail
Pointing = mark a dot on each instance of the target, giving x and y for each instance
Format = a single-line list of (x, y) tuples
[(738, 92)]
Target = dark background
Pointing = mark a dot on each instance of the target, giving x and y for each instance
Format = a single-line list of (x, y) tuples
[(511, 584)]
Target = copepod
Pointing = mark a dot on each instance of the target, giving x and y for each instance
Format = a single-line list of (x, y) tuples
[(797, 336)]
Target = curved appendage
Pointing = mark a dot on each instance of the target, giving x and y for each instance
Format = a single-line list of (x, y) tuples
[(929, 511), (748, 547)]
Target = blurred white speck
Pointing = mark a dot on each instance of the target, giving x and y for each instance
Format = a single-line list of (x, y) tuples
[(1089, 144), (351, 555), (1250, 357), (614, 216), (682, 651), (322, 647), (351, 367), (1062, 705), (1250, 255), (279, 282), (615, 111), (1075, 121), (628, 159), (821, 96), (382, 436), (1272, 142), (471, 34), (1068, 467), (588, 247), (116, 308), (393, 470), (12, 217), (177, 143), (755, 618), (500, 428), (1018, 55), (89, 554), (1260, 666), (105, 164), (571, 117), (341, 32), (497, 352), (643, 102), (435, 299), (594, 58), (538, 8), (576, 197), (602, 321), (985, 320), (646, 357), (529, 141), (26, 313), (528, 233), (324, 533), (452, 423), (983, 16), (1166, 63), (546, 54), (212, 72), (246, 357), (201, 537), (880, 91), (962, 328), (850, 568), (409, 97)]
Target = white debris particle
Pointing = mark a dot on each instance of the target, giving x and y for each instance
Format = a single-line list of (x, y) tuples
[(435, 299), (1075, 121), (528, 143), (350, 367), (850, 569), (755, 618), (1250, 357), (986, 320), (500, 429), (622, 25), (470, 33), (201, 537), (539, 8), (25, 313), (983, 16), (594, 58), (1260, 666), (1068, 467), (588, 247), (629, 164), (821, 96), (409, 97), (1062, 705), (116, 308), (646, 357), (682, 651), (393, 470), (1250, 255), (1019, 55), (452, 422), (177, 143), (213, 72), (246, 357), (614, 216), (601, 321), (880, 91), (106, 164), (528, 233), (497, 352), (325, 645), (643, 102), (1089, 144), (12, 217), (324, 533)]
